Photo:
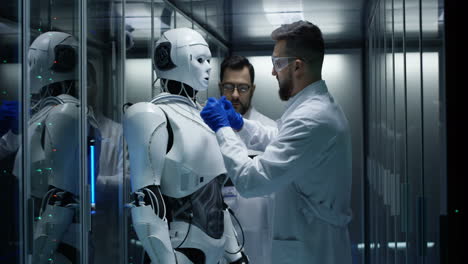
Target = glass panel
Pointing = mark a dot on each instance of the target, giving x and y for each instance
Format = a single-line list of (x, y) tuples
[(105, 50), (405, 157), (382, 213), (371, 135), (400, 128), (389, 135), (10, 130), (181, 21), (432, 126), (415, 184), (53, 171)]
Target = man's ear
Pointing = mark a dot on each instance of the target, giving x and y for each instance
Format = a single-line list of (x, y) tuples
[(300, 67)]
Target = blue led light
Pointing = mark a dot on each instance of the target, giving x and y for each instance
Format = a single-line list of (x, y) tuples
[(92, 175)]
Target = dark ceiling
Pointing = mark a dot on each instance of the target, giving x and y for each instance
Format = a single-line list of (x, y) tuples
[(238, 24)]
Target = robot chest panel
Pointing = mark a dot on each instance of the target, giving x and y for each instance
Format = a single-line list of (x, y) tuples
[(195, 158)]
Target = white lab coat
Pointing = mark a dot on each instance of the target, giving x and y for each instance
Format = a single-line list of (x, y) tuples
[(307, 164), (255, 214), (253, 114)]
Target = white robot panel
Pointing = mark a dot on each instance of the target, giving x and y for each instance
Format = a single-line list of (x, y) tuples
[(195, 158), (145, 131), (177, 169)]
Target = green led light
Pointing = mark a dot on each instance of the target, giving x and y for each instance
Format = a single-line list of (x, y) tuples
[(50, 79), (4, 61), (50, 124), (4, 92), (457, 211), (39, 124), (39, 29), (50, 215), (39, 218), (48, 168), (39, 170), (39, 77)]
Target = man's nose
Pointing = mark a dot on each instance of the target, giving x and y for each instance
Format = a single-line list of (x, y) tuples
[(235, 93)]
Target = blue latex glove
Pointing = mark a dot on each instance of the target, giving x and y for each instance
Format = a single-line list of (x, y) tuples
[(214, 115), (235, 119), (9, 118)]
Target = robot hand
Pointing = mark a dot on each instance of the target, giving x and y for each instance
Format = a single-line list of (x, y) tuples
[(9, 117)]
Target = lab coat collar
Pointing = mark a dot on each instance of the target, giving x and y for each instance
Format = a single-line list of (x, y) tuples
[(318, 87), (248, 113)]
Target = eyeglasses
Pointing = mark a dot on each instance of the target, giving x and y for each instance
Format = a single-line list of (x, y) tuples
[(242, 88), (279, 63)]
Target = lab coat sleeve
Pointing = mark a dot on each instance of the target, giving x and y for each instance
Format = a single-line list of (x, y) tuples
[(109, 183), (8, 144), (257, 136), (300, 146)]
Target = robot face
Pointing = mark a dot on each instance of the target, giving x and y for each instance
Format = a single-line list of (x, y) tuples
[(183, 55), (200, 66)]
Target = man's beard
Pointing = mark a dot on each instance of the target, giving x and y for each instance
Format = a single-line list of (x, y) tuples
[(241, 108), (285, 88)]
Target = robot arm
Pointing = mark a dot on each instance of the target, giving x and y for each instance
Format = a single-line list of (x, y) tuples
[(60, 145), (146, 136), (233, 252)]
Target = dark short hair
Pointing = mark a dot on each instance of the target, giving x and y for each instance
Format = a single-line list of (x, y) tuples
[(237, 62), (303, 40)]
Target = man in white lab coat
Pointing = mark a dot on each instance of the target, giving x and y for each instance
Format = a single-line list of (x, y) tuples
[(255, 214), (307, 157)]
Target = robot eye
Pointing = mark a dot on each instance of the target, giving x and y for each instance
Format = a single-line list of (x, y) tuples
[(208, 61), (200, 60)]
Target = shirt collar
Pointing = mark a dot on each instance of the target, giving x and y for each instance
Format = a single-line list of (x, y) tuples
[(248, 112), (310, 90)]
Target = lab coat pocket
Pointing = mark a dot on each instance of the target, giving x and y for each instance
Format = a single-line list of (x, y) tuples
[(288, 251)]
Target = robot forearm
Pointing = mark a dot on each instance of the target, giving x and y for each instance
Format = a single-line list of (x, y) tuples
[(152, 228), (233, 251), (52, 224)]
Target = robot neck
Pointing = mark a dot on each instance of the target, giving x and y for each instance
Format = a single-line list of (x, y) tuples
[(64, 87), (175, 87)]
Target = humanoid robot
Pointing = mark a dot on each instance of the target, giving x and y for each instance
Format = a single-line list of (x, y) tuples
[(177, 170), (54, 146)]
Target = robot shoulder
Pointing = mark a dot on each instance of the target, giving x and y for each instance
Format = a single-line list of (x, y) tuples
[(63, 114), (143, 115)]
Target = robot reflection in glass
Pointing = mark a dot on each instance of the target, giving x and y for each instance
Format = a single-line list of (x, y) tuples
[(177, 171), (54, 146)]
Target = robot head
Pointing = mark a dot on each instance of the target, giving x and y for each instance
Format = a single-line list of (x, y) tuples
[(183, 55), (52, 58)]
